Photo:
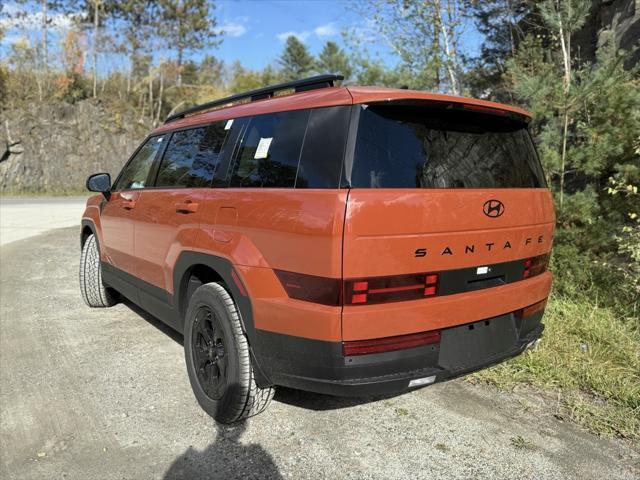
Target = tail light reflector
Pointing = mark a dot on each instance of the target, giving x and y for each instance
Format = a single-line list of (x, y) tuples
[(311, 288), (535, 266), (388, 344), (390, 289), (531, 309)]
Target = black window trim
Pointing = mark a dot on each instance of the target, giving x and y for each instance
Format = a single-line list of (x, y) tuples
[(133, 155), (158, 161), (244, 123)]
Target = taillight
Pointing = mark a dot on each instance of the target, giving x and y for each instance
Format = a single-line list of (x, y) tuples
[(310, 288), (366, 291), (388, 344), (531, 309), (535, 266)]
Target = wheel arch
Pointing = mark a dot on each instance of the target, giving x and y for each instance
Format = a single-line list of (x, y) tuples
[(87, 228), (212, 268)]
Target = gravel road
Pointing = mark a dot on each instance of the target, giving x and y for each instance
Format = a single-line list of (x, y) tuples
[(103, 394), (24, 217)]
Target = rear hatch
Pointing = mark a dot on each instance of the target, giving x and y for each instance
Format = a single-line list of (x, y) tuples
[(451, 192)]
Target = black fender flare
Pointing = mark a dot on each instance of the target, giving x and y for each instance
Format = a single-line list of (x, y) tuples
[(224, 268), (92, 226)]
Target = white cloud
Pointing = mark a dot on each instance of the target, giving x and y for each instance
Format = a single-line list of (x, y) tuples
[(15, 17), (302, 36), (233, 29), (328, 30)]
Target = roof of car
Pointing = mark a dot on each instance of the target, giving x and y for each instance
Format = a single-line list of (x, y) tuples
[(328, 97)]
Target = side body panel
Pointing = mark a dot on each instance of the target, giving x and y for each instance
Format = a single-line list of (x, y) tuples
[(260, 230)]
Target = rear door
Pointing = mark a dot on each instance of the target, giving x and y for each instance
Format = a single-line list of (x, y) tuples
[(117, 216), (438, 190)]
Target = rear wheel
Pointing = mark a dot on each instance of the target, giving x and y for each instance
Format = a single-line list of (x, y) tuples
[(218, 359), (94, 292)]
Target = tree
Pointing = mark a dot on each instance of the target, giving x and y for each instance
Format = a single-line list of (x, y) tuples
[(564, 18), (210, 71), (500, 23), (425, 35), (296, 61), (243, 79), (187, 25), (333, 60)]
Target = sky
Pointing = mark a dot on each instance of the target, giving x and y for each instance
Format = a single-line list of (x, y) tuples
[(256, 30)]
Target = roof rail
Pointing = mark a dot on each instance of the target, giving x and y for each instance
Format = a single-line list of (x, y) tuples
[(311, 83)]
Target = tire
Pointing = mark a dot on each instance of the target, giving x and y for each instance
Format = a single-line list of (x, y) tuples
[(218, 359), (94, 292)]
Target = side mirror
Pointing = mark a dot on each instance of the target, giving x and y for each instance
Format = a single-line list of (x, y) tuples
[(99, 182)]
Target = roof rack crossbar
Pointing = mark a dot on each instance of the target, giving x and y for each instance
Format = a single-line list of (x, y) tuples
[(311, 83)]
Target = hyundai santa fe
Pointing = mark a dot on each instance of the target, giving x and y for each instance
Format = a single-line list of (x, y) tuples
[(337, 239)]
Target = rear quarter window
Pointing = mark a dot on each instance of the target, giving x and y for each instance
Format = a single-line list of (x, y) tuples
[(270, 150), (422, 147)]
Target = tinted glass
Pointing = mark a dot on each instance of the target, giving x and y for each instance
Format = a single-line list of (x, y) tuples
[(191, 157), (323, 150), (421, 147), (135, 173), (222, 175), (270, 150)]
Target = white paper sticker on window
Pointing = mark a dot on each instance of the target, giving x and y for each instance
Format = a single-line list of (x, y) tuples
[(228, 125), (263, 148), (482, 270)]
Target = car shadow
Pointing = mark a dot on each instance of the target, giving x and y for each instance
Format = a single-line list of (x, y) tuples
[(156, 322), (224, 459), (321, 402), (289, 396)]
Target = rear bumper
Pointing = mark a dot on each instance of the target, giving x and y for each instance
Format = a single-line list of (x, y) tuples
[(320, 366)]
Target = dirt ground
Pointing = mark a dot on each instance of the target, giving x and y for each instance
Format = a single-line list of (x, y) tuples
[(103, 394)]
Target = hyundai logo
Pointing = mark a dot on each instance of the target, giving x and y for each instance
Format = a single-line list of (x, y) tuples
[(493, 208)]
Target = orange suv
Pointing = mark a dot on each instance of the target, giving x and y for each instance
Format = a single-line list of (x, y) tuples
[(342, 240)]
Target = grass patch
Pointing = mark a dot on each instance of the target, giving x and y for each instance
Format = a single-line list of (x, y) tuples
[(522, 443), (590, 357)]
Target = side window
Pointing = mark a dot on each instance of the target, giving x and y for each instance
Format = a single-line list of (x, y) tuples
[(192, 157), (270, 150), (323, 150), (135, 173)]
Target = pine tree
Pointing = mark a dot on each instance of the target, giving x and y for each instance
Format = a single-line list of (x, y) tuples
[(296, 61), (333, 60), (500, 23), (187, 25)]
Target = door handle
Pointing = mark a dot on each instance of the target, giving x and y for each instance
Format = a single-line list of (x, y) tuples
[(128, 204), (186, 207)]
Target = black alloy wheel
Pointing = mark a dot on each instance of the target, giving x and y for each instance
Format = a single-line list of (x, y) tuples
[(209, 353)]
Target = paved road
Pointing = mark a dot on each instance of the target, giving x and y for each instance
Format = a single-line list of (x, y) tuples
[(23, 217), (103, 394)]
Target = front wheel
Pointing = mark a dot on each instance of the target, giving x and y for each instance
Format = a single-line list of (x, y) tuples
[(218, 359), (94, 292)]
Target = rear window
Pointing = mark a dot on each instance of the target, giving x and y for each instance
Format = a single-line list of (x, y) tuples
[(421, 147)]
